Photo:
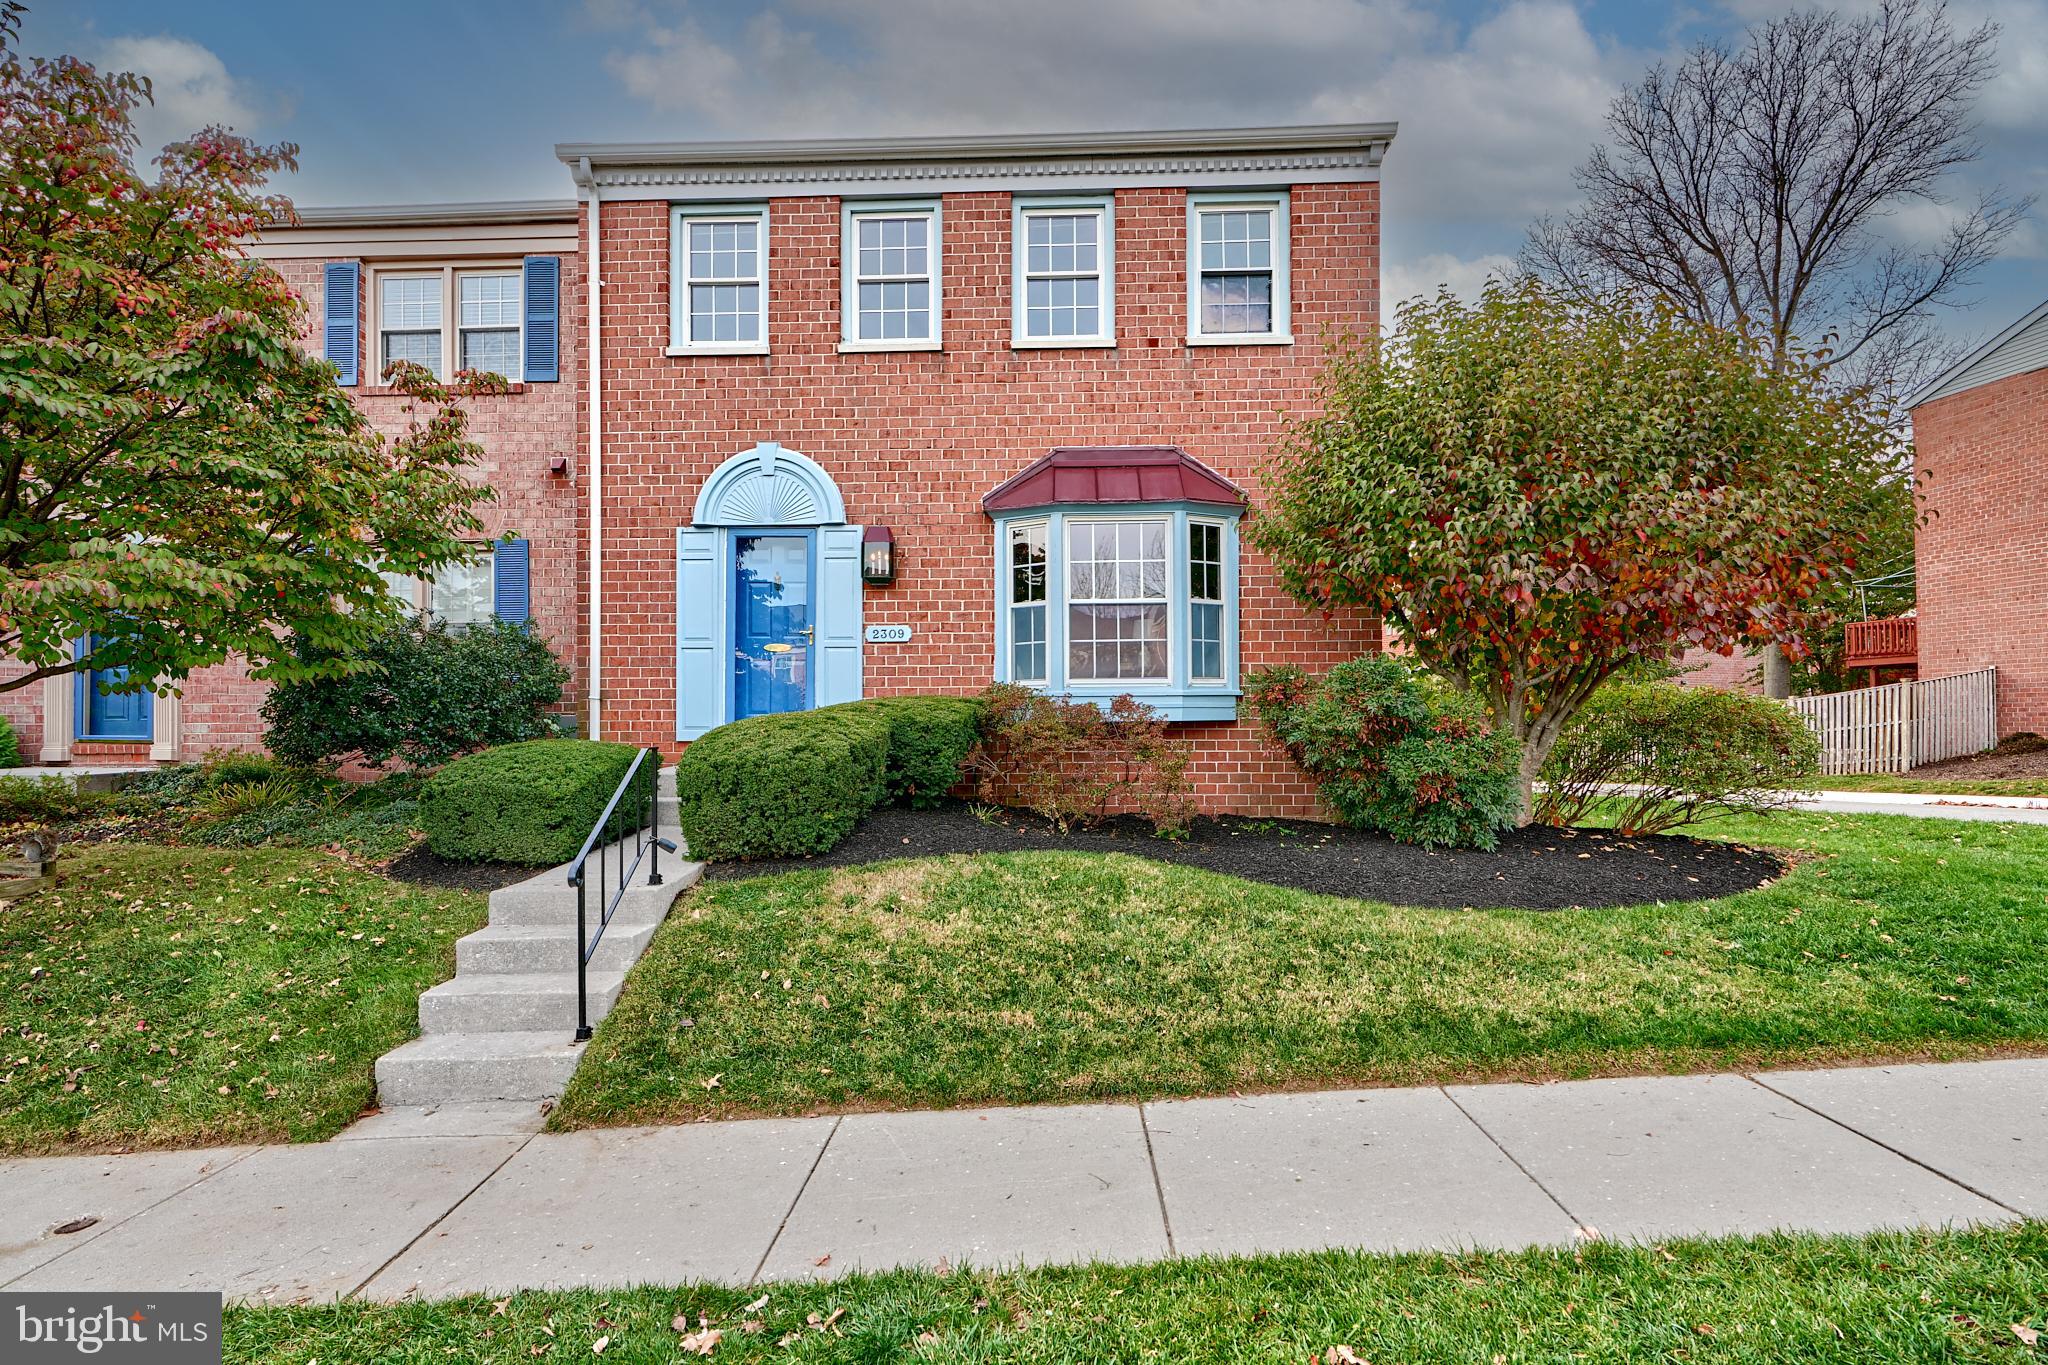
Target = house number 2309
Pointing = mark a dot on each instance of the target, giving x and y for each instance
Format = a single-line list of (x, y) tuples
[(888, 635)]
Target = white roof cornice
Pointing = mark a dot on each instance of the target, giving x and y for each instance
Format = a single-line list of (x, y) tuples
[(1222, 156)]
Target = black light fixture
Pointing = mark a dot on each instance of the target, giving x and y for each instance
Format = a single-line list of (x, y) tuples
[(877, 555)]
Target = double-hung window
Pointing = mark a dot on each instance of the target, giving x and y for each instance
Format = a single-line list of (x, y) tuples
[(1095, 601), (890, 291), (1237, 269), (487, 305), (719, 281), (1063, 273), (491, 585)]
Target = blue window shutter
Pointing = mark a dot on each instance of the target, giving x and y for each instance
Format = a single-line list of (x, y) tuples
[(342, 305), (702, 658), (543, 319), (838, 648), (511, 592)]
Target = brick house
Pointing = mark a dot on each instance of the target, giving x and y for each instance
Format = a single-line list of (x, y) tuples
[(839, 419), (1980, 437)]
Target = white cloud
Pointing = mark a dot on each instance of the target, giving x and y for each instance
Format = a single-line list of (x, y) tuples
[(1401, 280), (191, 87)]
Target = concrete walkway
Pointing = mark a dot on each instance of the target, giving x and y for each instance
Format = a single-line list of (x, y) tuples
[(466, 1200), (2021, 810)]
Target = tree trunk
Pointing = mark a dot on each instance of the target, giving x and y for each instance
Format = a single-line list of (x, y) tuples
[(1525, 780), (1777, 671)]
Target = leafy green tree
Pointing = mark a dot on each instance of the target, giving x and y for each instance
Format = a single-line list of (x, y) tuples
[(1535, 490), (179, 480)]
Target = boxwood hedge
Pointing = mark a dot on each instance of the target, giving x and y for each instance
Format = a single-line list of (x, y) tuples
[(785, 785), (532, 802)]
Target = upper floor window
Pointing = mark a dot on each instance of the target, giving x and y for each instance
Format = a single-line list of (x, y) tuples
[(890, 260), (1237, 269), (412, 311), (719, 270), (1063, 276), (492, 585)]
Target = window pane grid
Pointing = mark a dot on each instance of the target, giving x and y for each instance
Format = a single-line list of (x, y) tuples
[(1235, 255), (461, 594), (1116, 600), (1028, 602), (1063, 283), (893, 266), (722, 279), (1205, 601)]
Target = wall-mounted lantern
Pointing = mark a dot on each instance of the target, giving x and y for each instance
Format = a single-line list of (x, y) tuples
[(877, 555)]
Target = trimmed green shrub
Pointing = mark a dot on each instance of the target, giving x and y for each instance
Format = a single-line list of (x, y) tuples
[(10, 746), (1665, 756), (45, 800), (531, 803), (422, 694), (777, 786), (929, 740), (1391, 753)]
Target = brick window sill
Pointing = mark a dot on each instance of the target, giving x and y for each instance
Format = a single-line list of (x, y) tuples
[(387, 391)]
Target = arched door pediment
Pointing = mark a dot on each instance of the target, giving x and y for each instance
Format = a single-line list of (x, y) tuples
[(769, 485)]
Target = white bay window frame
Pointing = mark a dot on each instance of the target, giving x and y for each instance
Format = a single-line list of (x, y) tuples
[(1273, 203), (1023, 211), (1178, 696), (853, 213), (682, 217), (448, 277)]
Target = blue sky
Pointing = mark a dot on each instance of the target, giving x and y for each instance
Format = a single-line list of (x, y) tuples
[(1497, 101)]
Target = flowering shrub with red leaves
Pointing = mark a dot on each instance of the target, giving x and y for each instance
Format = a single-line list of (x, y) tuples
[(1075, 764), (1534, 490), (179, 480), (1390, 753)]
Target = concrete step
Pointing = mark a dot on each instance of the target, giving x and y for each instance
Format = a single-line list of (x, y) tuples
[(556, 905), (509, 1002), (468, 1068), (550, 948)]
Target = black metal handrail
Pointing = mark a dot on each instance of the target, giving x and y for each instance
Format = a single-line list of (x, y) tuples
[(646, 839)]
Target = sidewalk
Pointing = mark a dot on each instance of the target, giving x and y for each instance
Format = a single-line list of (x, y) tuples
[(2024, 810), (492, 1208)]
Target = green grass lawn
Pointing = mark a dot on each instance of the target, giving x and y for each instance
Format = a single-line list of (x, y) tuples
[(1891, 1298), (179, 997), (1030, 977), (1928, 786)]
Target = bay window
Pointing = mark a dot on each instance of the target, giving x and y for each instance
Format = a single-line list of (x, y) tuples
[(1098, 600)]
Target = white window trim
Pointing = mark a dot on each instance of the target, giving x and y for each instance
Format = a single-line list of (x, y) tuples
[(1225, 646), (451, 308), (851, 211), (679, 342), (1022, 208), (1275, 201)]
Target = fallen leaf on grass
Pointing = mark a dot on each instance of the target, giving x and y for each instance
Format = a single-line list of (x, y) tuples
[(825, 1324), (2027, 1335), (757, 1305), (1343, 1355), (711, 1084), (498, 1307), (702, 1343), (597, 1347)]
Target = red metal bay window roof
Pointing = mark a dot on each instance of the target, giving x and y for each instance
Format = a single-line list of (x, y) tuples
[(1113, 474)]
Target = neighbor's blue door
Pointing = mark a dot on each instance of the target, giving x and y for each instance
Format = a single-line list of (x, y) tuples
[(772, 624), (124, 715)]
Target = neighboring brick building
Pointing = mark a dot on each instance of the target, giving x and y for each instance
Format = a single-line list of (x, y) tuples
[(1980, 436), (446, 265), (802, 348)]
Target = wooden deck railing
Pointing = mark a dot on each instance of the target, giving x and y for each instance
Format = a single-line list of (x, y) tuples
[(1883, 644)]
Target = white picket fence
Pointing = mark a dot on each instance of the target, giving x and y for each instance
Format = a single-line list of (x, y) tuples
[(1892, 728)]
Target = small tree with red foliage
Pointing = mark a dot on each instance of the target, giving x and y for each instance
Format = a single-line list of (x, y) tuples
[(179, 480), (1534, 491)]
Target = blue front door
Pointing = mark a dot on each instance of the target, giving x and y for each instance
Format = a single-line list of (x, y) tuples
[(123, 715), (771, 624)]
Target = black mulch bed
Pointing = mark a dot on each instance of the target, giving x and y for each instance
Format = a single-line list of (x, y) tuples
[(1538, 868), (422, 866)]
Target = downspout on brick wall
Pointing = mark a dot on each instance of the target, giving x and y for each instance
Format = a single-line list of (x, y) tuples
[(587, 183)]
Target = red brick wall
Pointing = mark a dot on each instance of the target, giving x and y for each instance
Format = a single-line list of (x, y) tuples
[(521, 433), (915, 439), (1983, 554)]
